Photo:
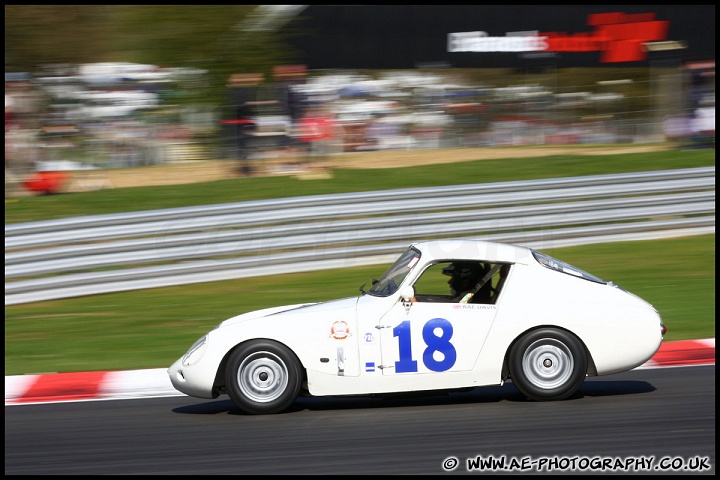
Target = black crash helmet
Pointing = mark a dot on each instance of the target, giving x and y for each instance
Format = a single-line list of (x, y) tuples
[(462, 271)]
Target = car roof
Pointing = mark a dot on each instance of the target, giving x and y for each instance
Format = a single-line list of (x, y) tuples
[(463, 249)]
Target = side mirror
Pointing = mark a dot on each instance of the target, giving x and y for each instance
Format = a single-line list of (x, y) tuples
[(407, 293)]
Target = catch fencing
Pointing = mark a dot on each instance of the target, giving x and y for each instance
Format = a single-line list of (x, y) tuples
[(110, 253)]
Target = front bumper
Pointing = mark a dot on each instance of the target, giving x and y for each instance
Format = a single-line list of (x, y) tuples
[(191, 380)]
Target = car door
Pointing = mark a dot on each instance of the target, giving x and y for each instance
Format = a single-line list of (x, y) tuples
[(433, 335)]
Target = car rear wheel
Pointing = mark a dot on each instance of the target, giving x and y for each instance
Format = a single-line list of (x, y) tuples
[(263, 377), (548, 364)]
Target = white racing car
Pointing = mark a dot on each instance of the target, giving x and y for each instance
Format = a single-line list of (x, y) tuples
[(448, 314)]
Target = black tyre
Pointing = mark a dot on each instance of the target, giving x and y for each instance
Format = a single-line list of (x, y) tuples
[(548, 364), (263, 377)]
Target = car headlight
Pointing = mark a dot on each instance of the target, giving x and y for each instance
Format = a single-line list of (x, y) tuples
[(195, 352)]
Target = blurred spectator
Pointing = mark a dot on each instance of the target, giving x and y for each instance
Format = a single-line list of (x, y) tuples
[(381, 133), (8, 122), (316, 132), (21, 113), (703, 128), (291, 100), (243, 92), (677, 129)]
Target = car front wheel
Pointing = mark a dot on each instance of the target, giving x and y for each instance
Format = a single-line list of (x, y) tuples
[(263, 377), (548, 364)]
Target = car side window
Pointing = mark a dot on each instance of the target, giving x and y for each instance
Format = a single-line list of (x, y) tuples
[(461, 282), (490, 292), (432, 286)]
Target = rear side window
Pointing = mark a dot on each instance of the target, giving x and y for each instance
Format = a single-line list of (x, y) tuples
[(560, 266)]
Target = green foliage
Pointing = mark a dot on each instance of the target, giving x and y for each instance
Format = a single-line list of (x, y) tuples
[(208, 37), (55, 34)]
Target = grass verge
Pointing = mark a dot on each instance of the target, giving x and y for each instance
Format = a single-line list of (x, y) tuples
[(27, 209)]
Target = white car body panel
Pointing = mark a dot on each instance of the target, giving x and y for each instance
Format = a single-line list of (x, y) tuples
[(373, 344)]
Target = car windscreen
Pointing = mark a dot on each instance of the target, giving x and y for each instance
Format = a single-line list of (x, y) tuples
[(560, 266), (392, 278)]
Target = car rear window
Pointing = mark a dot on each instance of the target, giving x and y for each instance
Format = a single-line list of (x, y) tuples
[(560, 266)]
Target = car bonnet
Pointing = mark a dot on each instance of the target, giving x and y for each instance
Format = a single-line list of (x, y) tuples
[(297, 309)]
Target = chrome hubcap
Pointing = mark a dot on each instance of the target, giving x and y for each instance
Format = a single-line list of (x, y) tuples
[(548, 363), (262, 377)]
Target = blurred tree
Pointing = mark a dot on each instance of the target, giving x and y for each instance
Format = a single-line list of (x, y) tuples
[(55, 34), (215, 38)]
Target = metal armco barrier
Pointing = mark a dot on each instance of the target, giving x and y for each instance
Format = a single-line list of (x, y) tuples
[(109, 253)]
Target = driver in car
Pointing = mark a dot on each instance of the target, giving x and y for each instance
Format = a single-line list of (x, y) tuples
[(464, 278)]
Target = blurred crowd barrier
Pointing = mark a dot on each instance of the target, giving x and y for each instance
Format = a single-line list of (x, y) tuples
[(104, 116)]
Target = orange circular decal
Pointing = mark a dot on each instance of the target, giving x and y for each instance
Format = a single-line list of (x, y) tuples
[(339, 330)]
